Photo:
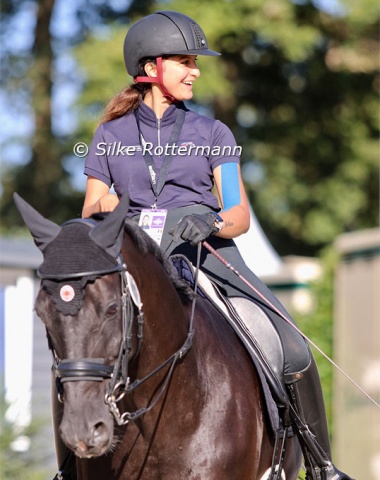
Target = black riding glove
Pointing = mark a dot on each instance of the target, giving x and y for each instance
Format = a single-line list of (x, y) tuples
[(194, 228)]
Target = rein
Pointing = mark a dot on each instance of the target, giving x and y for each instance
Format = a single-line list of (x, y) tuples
[(111, 399), (93, 369)]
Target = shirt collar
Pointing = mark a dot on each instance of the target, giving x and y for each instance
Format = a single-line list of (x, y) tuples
[(148, 117)]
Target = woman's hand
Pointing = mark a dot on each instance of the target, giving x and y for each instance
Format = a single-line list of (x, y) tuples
[(108, 202), (98, 198), (194, 228)]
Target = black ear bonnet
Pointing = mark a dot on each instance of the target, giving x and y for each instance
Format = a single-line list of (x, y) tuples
[(76, 252), (73, 252)]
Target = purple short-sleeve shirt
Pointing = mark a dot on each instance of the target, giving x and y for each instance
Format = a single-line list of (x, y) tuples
[(116, 157)]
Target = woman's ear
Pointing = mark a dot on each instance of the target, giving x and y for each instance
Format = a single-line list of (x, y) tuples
[(151, 69)]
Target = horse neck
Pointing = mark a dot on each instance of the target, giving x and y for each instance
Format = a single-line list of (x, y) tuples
[(166, 320)]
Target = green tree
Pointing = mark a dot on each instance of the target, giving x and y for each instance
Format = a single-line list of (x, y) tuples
[(42, 180), (303, 103), (298, 87), (30, 78)]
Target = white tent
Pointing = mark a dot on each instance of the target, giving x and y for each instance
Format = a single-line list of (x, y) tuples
[(258, 253)]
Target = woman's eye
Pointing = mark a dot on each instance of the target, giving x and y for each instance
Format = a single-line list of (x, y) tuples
[(187, 61)]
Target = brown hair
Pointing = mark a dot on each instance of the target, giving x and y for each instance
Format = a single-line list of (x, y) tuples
[(125, 101), (129, 98)]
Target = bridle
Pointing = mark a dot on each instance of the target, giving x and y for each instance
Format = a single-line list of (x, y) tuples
[(94, 369)]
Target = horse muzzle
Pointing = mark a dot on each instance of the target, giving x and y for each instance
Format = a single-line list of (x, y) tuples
[(87, 427)]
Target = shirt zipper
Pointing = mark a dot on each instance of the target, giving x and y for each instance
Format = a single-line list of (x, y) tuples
[(159, 131)]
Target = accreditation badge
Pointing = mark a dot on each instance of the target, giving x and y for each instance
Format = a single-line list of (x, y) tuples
[(153, 222)]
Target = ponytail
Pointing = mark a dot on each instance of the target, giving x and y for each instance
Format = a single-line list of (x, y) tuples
[(124, 102), (128, 99)]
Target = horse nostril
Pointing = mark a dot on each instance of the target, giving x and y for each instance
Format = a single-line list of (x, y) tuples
[(99, 433)]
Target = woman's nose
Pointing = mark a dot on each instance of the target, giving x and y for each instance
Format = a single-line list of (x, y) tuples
[(195, 70)]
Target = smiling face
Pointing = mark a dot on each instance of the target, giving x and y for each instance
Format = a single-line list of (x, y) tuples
[(179, 74)]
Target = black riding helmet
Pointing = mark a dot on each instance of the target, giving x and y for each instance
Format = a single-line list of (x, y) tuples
[(160, 34)]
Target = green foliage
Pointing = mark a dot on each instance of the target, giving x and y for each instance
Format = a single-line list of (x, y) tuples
[(100, 61), (229, 25), (298, 87), (318, 325), (32, 77), (18, 465), (41, 178)]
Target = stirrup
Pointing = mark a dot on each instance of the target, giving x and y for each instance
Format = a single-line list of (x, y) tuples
[(328, 472), (332, 473)]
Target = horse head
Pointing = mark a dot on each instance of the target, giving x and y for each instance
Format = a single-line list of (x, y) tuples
[(80, 304)]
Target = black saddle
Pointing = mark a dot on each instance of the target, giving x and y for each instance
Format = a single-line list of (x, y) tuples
[(256, 332)]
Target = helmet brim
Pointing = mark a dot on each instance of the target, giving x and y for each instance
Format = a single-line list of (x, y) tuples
[(198, 51)]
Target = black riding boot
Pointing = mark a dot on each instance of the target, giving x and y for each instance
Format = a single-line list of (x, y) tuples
[(308, 412)]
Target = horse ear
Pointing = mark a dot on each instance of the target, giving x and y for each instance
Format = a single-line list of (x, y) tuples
[(43, 231), (109, 233)]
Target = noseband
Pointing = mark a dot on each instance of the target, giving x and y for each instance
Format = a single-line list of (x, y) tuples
[(94, 369)]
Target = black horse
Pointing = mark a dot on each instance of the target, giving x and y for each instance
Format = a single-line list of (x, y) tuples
[(153, 381)]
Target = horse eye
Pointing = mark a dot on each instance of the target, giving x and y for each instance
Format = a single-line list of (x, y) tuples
[(112, 310)]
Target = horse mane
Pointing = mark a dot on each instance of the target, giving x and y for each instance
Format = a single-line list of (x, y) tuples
[(146, 245)]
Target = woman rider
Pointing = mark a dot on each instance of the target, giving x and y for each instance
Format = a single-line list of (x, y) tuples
[(160, 53)]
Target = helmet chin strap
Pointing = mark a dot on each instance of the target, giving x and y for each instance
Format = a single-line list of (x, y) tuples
[(159, 80)]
